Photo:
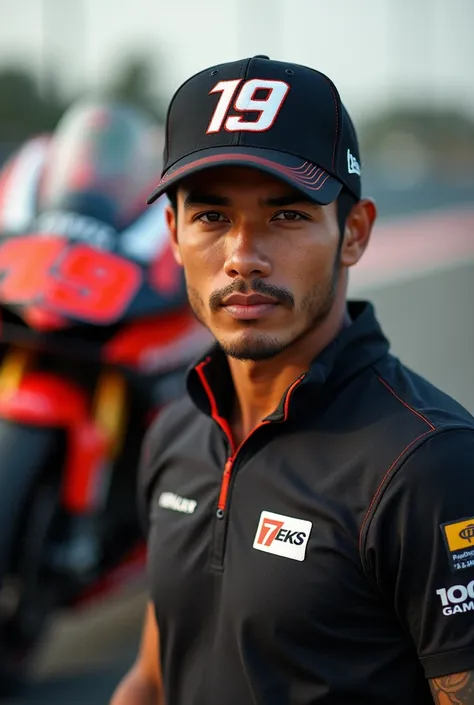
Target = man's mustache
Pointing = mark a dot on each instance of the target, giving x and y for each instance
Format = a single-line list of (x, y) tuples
[(257, 286)]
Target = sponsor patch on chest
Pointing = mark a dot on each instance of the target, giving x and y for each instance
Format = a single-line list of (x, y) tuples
[(283, 536), (170, 500)]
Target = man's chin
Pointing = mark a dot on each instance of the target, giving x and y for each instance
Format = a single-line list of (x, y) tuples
[(252, 347)]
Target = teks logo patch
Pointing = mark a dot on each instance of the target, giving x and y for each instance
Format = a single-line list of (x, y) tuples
[(282, 535)]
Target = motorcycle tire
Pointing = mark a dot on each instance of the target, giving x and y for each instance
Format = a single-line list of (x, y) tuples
[(29, 500)]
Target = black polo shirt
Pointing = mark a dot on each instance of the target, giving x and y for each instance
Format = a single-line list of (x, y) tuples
[(330, 558)]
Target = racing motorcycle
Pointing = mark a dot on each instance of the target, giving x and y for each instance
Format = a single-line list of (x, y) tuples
[(95, 339)]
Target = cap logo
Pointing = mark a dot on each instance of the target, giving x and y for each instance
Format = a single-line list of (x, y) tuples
[(267, 108), (353, 166)]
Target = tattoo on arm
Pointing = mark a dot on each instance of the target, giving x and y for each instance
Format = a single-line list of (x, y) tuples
[(456, 689)]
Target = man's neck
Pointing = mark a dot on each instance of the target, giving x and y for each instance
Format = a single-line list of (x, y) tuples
[(259, 386)]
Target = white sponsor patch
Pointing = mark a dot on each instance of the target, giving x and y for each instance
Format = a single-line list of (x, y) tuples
[(284, 536), (170, 500), (457, 599)]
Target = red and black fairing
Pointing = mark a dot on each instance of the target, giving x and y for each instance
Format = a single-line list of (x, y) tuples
[(85, 266), (95, 329)]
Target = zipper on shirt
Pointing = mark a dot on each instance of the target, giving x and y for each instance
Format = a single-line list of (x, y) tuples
[(221, 505), (226, 477), (220, 529), (219, 540)]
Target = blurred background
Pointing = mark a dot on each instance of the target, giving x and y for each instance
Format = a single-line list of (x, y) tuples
[(404, 70)]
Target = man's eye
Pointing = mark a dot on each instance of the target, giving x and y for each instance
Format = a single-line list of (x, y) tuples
[(211, 217), (289, 215)]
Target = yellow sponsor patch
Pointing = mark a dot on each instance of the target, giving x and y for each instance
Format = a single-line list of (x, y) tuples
[(459, 538)]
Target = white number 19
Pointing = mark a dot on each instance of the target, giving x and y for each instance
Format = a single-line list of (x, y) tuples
[(268, 107)]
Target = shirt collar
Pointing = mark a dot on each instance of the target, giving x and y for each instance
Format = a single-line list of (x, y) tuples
[(358, 345)]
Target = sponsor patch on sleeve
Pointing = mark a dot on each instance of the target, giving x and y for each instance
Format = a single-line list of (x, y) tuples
[(459, 540)]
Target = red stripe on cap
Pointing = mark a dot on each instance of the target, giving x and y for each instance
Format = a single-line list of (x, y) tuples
[(307, 174)]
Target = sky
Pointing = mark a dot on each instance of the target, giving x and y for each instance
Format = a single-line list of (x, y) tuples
[(376, 51)]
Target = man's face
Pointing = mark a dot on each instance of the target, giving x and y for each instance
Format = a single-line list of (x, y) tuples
[(261, 263)]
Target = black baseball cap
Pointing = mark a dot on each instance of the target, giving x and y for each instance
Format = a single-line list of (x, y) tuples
[(284, 119)]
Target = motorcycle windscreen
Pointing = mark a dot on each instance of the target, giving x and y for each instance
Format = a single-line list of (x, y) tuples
[(102, 159)]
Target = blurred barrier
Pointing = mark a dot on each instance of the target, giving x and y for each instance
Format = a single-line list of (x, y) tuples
[(419, 272)]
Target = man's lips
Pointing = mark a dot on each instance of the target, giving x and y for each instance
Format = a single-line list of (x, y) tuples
[(248, 300), (249, 307)]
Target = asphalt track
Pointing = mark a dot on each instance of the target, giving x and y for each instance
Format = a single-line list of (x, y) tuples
[(426, 312), (84, 656)]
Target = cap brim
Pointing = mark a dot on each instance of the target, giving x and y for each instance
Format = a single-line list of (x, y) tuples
[(305, 176)]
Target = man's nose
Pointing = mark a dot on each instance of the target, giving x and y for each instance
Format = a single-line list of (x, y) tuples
[(245, 255)]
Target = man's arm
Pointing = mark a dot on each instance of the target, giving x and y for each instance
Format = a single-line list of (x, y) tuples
[(419, 552), (143, 684), (456, 689)]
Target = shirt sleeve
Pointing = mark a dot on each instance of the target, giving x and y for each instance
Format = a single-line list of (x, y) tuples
[(419, 549)]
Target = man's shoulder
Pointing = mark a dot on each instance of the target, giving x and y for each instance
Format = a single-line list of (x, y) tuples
[(417, 398), (425, 439), (391, 416), (424, 435)]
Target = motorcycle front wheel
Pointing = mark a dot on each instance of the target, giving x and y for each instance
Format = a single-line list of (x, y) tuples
[(29, 503)]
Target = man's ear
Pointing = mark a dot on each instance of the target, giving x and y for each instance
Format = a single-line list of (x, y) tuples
[(357, 231), (171, 221)]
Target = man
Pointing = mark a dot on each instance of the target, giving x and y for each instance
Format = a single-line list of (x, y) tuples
[(309, 505)]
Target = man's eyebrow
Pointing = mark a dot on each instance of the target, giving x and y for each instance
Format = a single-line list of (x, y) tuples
[(197, 198), (201, 198), (289, 200)]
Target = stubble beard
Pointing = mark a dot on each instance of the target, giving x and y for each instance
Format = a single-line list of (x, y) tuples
[(255, 346)]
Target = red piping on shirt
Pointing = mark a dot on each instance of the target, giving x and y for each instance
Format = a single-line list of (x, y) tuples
[(224, 491)]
